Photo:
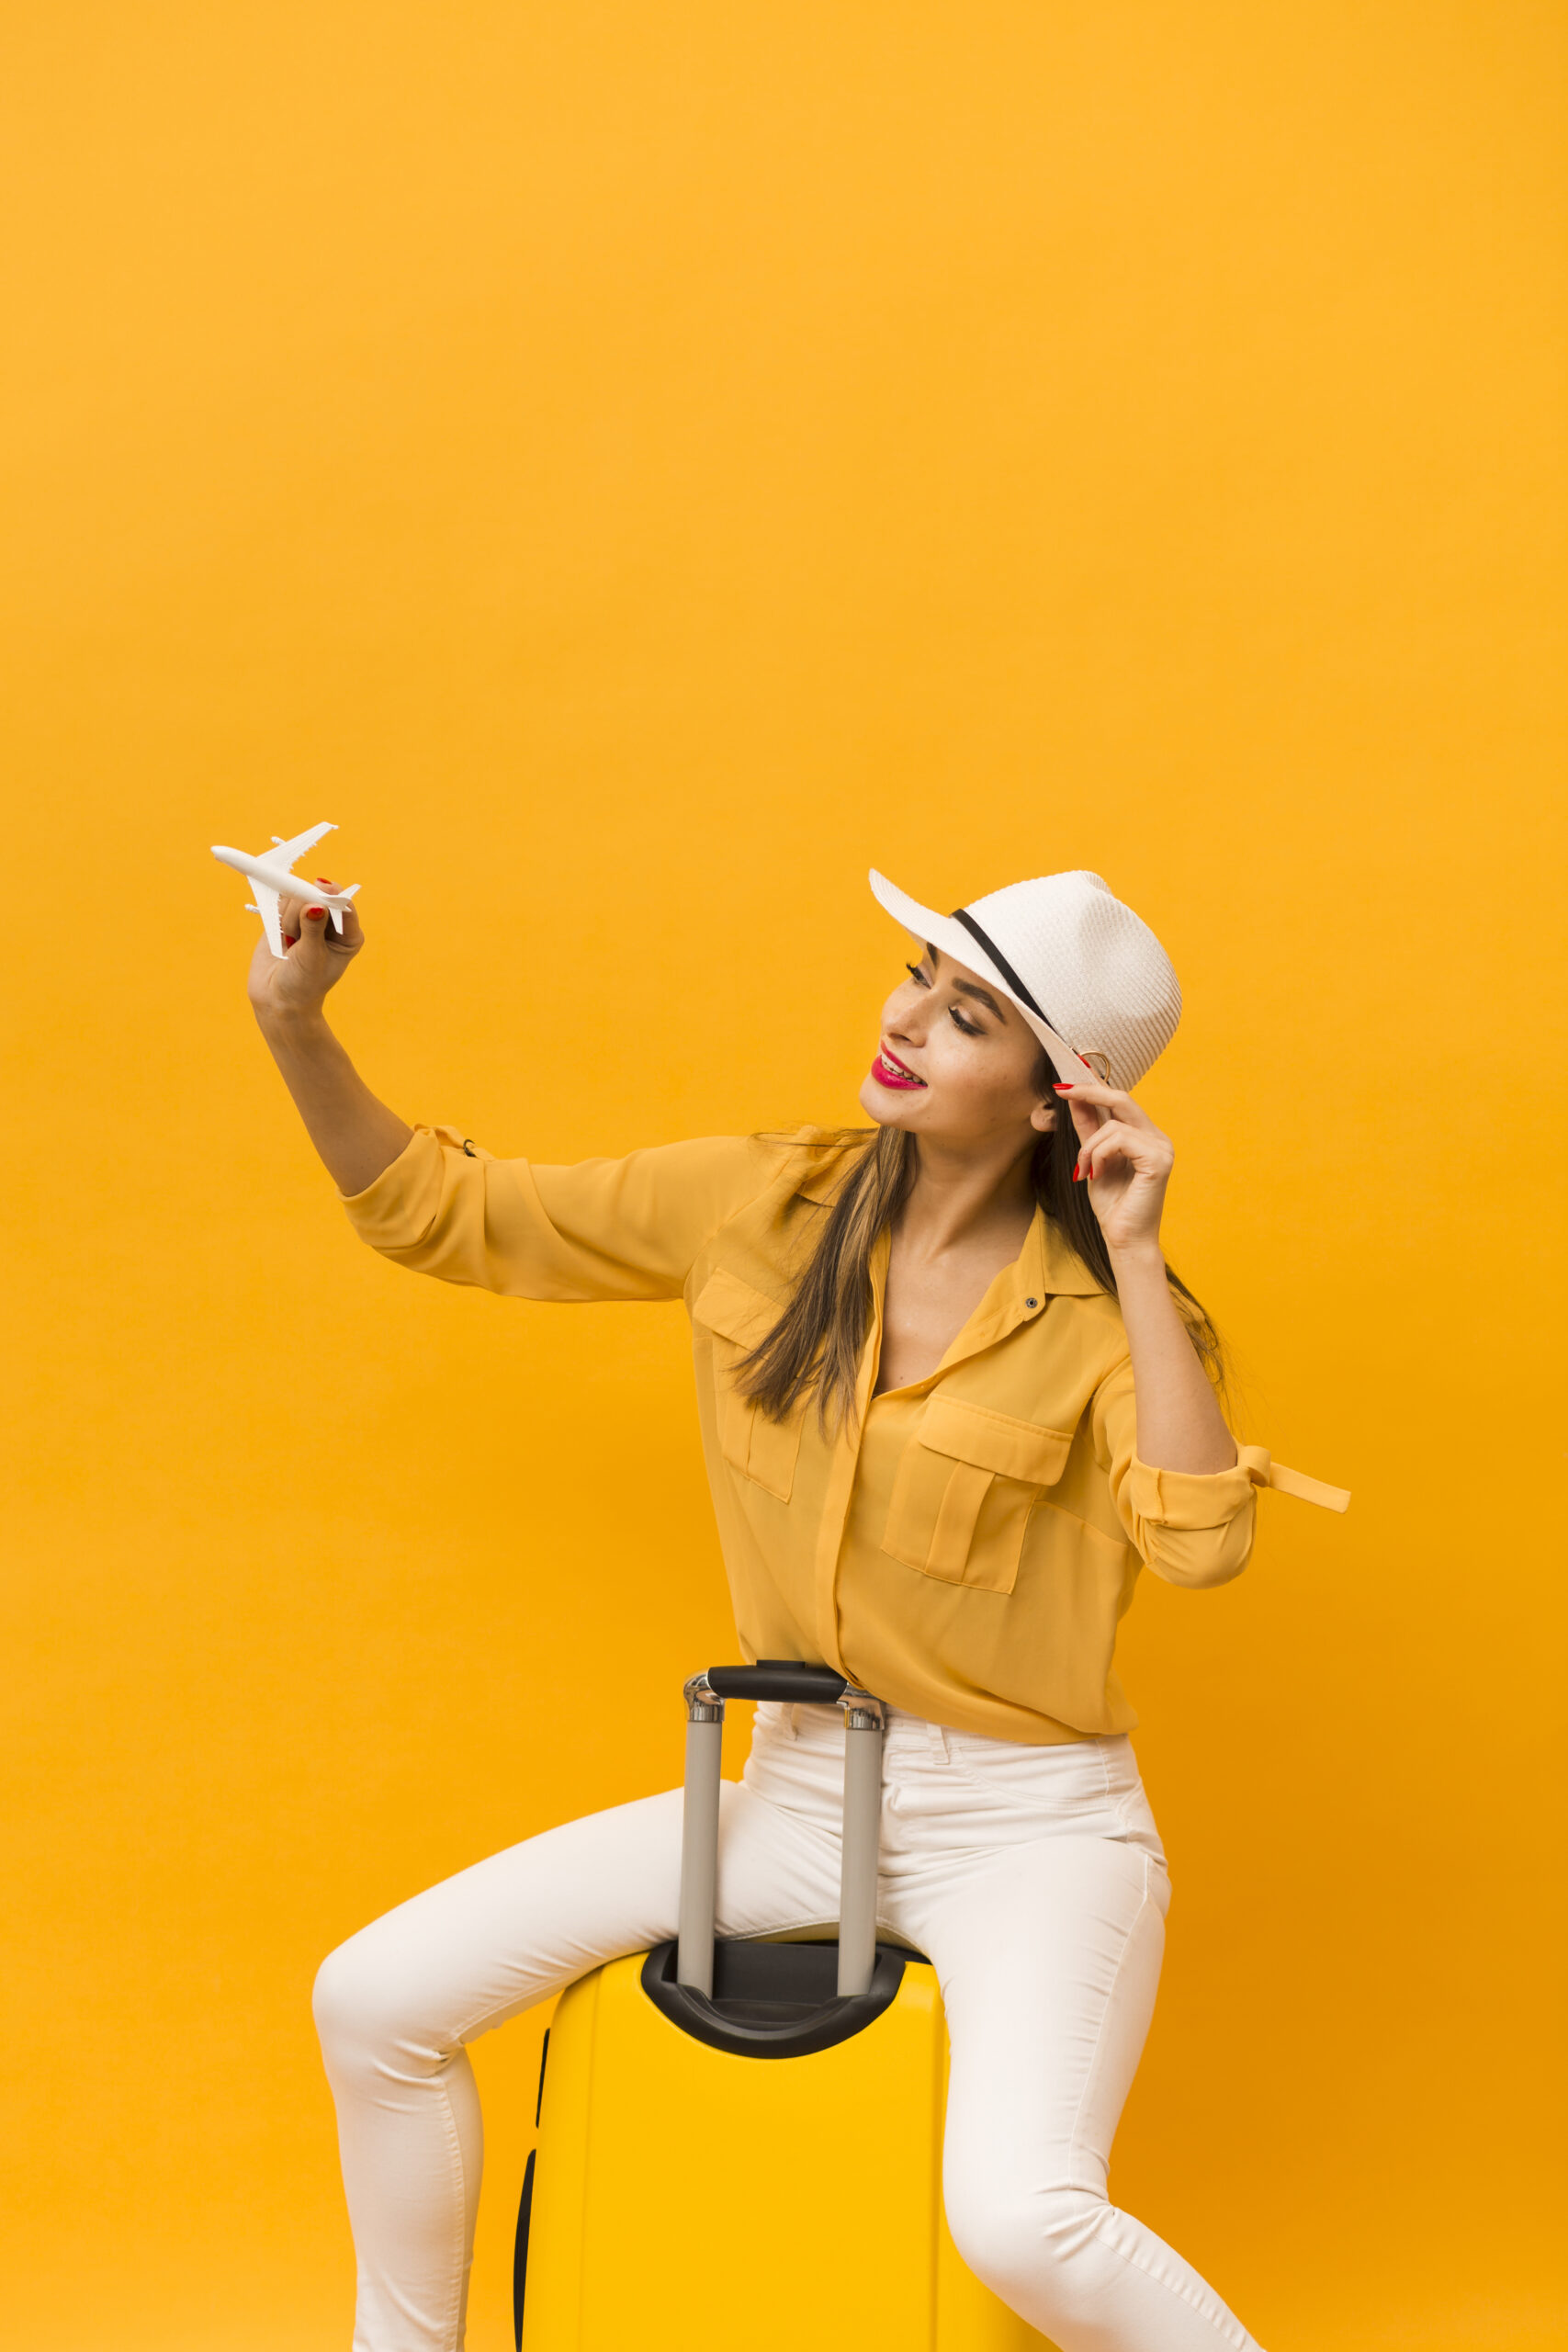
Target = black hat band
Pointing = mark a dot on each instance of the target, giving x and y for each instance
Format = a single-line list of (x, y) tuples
[(1025, 996)]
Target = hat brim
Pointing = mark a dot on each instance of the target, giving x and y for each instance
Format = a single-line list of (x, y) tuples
[(940, 931)]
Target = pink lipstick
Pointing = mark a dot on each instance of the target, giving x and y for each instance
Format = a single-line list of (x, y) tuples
[(891, 1073)]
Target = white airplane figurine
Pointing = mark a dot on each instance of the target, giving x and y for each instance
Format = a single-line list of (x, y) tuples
[(268, 873)]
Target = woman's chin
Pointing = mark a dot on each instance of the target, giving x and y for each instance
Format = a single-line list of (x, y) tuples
[(887, 1108)]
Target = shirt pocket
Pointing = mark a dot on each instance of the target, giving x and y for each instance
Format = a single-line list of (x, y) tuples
[(738, 1318), (962, 1493)]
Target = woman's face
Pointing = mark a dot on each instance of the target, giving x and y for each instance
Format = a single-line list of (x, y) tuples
[(957, 1063)]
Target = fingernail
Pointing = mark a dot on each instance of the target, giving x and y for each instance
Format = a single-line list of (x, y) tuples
[(291, 939), (1063, 1086), (314, 915), (1078, 1173), (325, 881)]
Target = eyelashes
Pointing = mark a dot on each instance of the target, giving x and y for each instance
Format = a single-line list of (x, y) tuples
[(969, 1028)]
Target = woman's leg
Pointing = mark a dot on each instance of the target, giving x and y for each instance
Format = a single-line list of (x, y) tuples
[(397, 2003), (1049, 1955)]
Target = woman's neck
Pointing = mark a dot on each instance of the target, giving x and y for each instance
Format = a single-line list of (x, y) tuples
[(960, 1198), (965, 1218)]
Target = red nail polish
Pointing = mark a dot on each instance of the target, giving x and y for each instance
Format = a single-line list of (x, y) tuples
[(1063, 1085), (314, 915), (324, 882), (1078, 1173), (291, 939)]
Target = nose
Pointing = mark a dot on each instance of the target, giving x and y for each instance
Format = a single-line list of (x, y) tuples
[(905, 1020)]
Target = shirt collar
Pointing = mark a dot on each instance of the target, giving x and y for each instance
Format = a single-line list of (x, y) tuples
[(1060, 1268), (821, 1178), (1044, 1268)]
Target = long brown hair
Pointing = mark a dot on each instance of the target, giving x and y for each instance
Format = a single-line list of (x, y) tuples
[(815, 1344)]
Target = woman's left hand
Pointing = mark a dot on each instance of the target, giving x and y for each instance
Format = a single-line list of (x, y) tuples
[(1124, 1158)]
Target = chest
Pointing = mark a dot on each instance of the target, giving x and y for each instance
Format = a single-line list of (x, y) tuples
[(927, 1302)]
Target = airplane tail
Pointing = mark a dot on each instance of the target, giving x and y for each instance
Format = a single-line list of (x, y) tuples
[(337, 911)]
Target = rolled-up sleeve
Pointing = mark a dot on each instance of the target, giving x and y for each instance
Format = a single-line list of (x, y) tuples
[(603, 1229), (1191, 1527)]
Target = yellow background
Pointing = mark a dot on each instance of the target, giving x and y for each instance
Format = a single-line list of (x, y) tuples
[(633, 467)]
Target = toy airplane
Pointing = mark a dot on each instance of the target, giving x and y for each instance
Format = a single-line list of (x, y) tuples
[(268, 873)]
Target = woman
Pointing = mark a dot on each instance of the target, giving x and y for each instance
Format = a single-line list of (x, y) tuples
[(952, 1399)]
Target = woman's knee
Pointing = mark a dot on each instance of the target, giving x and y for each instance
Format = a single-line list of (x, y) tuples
[(1035, 2248), (361, 2005), (336, 1996)]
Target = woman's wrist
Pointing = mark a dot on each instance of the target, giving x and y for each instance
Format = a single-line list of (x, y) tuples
[(1135, 1259), (302, 1024)]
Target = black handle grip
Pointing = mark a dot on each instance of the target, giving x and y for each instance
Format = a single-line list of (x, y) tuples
[(788, 1678)]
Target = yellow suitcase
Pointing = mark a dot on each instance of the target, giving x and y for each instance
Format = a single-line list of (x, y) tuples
[(751, 2130)]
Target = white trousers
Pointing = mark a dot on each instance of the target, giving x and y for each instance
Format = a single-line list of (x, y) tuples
[(1033, 1878)]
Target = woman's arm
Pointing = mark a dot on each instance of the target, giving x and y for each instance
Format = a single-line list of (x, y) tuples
[(1127, 1162), (356, 1135)]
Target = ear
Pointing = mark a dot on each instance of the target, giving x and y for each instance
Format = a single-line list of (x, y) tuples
[(1044, 1117)]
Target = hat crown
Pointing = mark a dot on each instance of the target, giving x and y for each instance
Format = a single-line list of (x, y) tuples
[(1095, 968)]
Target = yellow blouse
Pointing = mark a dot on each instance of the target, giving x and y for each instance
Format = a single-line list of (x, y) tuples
[(963, 1546)]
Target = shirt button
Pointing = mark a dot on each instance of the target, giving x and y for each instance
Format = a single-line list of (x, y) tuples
[(1032, 1302)]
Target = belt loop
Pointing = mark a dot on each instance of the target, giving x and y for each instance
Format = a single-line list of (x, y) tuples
[(791, 1724), (940, 1748)]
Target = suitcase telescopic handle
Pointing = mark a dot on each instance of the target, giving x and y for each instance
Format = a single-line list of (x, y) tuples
[(783, 1678), (796, 1684)]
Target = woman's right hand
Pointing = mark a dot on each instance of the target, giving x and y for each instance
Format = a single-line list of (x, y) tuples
[(317, 956), (356, 1135)]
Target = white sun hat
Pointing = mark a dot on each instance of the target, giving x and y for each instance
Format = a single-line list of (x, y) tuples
[(1091, 980)]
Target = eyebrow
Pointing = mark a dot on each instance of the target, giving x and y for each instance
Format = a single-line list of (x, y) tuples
[(966, 988)]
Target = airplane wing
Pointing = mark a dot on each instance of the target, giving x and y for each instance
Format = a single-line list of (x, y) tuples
[(266, 907), (289, 851)]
